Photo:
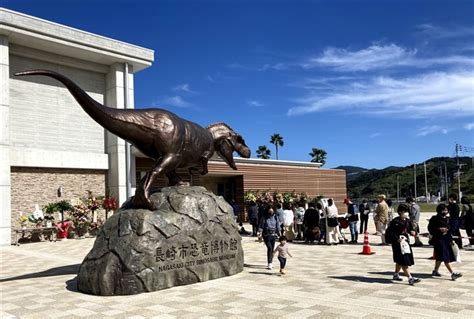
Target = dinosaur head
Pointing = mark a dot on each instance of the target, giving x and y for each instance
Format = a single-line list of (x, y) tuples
[(226, 142)]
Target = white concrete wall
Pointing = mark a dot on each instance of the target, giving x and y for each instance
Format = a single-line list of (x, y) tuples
[(5, 197), (45, 116)]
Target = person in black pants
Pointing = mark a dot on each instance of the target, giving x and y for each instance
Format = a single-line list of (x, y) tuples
[(454, 219), (364, 216), (269, 230), (468, 220), (253, 217)]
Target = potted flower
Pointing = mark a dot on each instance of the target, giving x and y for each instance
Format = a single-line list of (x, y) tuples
[(109, 204), (80, 220), (23, 219)]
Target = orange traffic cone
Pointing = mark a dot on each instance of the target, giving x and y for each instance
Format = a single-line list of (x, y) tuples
[(366, 249)]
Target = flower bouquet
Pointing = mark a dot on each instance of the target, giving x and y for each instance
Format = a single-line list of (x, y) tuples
[(109, 204)]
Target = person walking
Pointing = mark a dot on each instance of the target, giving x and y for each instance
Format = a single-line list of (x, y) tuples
[(353, 218), (439, 228), (299, 216), (415, 213), (268, 230), (280, 216), (322, 223), (364, 216), (468, 216), (253, 217), (283, 253), (382, 217), (455, 219), (311, 223), (332, 223), (288, 221), (398, 235), (391, 211)]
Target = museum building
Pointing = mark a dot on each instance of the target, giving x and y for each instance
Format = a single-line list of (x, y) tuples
[(49, 146)]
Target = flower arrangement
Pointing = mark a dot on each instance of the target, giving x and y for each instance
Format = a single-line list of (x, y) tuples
[(80, 220), (270, 197), (109, 204), (23, 219)]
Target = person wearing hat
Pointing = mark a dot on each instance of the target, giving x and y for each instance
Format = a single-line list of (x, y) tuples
[(382, 217)]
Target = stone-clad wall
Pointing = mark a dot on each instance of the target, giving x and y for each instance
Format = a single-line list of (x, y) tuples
[(32, 186)]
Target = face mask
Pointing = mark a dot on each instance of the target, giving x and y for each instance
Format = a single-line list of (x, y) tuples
[(404, 215)]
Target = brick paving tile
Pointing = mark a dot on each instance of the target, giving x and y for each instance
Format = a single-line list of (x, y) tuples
[(321, 282)]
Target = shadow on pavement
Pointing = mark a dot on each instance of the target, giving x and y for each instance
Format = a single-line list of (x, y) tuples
[(263, 273), (364, 279), (71, 285), (58, 271), (255, 266), (390, 273)]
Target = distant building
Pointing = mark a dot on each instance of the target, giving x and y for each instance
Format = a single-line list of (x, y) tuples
[(48, 142)]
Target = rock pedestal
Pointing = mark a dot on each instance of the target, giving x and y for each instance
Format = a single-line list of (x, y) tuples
[(190, 237)]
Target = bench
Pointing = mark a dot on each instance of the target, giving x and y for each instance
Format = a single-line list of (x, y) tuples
[(40, 231)]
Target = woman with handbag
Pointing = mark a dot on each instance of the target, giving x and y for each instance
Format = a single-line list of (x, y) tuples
[(332, 223), (398, 235), (442, 241), (269, 230)]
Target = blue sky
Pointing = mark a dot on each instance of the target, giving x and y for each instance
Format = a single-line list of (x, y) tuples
[(374, 83)]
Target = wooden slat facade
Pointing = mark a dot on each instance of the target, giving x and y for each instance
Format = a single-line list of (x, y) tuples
[(261, 176)]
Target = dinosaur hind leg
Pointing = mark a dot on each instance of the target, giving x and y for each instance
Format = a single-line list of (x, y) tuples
[(175, 180), (164, 164)]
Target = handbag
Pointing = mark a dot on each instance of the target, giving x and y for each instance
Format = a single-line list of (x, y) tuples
[(332, 222), (456, 251)]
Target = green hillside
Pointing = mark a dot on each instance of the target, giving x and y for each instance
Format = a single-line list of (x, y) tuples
[(384, 181)]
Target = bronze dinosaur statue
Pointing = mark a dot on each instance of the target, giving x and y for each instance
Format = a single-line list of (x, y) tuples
[(162, 135)]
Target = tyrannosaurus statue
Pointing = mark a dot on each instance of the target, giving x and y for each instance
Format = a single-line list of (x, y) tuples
[(161, 135)]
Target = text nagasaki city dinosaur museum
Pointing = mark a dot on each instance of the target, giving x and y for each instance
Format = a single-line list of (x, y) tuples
[(49, 142)]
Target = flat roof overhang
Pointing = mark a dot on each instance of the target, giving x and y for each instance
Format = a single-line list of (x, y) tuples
[(251, 161), (36, 33)]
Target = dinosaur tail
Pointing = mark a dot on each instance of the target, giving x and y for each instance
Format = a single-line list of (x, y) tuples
[(100, 113)]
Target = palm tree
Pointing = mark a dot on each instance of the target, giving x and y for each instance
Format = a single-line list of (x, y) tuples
[(263, 152), (318, 156), (277, 140)]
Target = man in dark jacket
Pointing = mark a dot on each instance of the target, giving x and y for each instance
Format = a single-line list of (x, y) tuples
[(454, 219), (311, 223)]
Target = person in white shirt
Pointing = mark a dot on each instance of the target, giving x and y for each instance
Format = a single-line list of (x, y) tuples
[(299, 216), (288, 221), (331, 214)]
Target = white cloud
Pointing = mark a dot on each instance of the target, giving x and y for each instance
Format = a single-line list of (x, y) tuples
[(438, 32), (426, 130), (469, 126), (423, 96), (378, 57), (277, 66), (374, 135), (373, 57), (184, 88), (254, 103), (177, 101)]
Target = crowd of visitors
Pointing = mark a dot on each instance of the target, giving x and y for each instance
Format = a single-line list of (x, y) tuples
[(321, 223)]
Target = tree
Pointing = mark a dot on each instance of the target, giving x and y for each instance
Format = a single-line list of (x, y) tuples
[(318, 156), (263, 152), (277, 140)]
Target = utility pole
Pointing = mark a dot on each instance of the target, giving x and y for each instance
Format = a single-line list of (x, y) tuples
[(426, 184), (458, 148), (414, 177), (446, 180), (398, 189)]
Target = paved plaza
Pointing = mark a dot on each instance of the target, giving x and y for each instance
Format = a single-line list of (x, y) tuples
[(37, 280)]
